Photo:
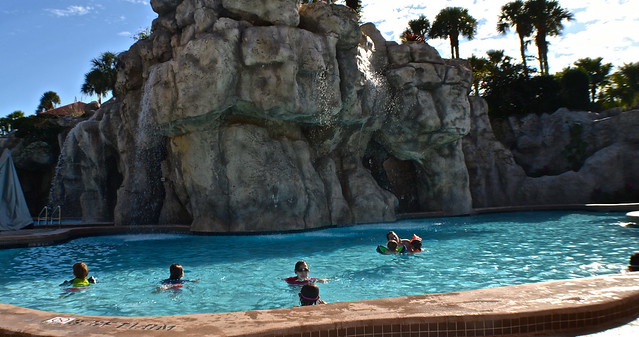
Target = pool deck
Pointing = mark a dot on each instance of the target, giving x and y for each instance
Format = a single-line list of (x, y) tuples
[(557, 308)]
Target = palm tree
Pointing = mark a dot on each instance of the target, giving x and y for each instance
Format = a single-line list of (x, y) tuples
[(6, 123), (449, 23), (624, 88), (417, 30), (481, 71), (597, 73), (513, 15), (48, 101), (546, 16), (101, 78), (355, 5)]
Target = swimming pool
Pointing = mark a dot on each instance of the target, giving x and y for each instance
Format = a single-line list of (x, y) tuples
[(239, 273)]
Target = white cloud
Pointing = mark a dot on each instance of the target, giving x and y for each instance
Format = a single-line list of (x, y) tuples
[(142, 2), (601, 28), (70, 11)]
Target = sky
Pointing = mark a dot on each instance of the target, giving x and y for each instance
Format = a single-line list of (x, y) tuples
[(47, 45)]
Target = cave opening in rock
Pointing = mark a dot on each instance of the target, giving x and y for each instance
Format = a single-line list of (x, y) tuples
[(394, 175)]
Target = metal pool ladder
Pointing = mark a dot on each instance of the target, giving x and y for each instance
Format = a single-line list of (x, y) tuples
[(48, 219)]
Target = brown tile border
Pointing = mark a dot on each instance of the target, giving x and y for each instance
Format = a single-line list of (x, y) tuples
[(567, 307)]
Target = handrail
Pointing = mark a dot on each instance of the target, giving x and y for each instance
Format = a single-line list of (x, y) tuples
[(59, 210), (48, 219), (45, 209)]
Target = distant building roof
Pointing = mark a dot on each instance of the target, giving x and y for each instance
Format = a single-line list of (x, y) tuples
[(74, 109)]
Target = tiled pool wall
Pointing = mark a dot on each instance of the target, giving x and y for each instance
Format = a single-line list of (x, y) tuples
[(470, 326)]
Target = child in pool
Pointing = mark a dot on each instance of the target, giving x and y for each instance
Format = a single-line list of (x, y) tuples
[(309, 295), (301, 275), (415, 244), (176, 277), (391, 248), (80, 271), (393, 236)]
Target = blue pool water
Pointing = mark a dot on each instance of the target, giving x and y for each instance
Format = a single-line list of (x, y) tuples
[(239, 273)]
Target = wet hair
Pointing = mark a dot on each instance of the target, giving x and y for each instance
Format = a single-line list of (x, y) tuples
[(80, 270), (176, 271), (392, 245), (416, 244), (634, 262), (389, 234), (309, 294), (300, 264)]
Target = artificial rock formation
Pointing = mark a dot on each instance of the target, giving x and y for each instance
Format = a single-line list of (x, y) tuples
[(594, 158), (267, 115), (245, 116)]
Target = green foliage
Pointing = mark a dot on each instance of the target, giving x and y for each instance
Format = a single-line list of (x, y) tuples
[(597, 74), (48, 101), (142, 34), (623, 90), (509, 91), (575, 87), (417, 30), (355, 5), (6, 123), (36, 128), (450, 23), (575, 151), (481, 71), (102, 76)]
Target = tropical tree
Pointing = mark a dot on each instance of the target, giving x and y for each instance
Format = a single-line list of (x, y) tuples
[(624, 86), (101, 78), (597, 74), (546, 17), (417, 30), (48, 101), (6, 123), (575, 89), (481, 72), (450, 23), (356, 5), (513, 15)]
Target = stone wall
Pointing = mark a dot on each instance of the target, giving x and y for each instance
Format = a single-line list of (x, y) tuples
[(597, 164)]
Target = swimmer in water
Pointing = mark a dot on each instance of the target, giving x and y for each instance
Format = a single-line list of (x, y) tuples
[(80, 271), (301, 275), (309, 295), (175, 279)]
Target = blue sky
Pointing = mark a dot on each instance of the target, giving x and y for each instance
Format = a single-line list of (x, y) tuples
[(47, 45)]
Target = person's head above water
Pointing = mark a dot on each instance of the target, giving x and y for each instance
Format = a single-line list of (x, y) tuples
[(392, 245), (634, 262), (80, 270), (299, 265), (302, 269), (177, 271), (392, 236), (309, 294)]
